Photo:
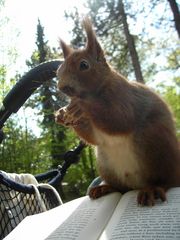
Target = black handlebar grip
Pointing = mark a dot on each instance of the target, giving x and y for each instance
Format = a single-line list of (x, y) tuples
[(29, 83)]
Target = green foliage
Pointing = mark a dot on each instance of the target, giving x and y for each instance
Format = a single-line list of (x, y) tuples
[(171, 90), (172, 96), (79, 176), (3, 88), (21, 151), (174, 60), (172, 93)]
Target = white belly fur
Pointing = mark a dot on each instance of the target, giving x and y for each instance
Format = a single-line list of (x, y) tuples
[(116, 156)]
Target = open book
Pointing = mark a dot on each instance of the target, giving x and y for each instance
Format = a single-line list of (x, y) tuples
[(111, 217)]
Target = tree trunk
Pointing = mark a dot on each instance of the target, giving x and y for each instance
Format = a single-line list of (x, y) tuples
[(131, 44), (175, 10)]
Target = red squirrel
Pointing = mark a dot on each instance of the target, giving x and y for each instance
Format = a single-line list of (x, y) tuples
[(131, 127)]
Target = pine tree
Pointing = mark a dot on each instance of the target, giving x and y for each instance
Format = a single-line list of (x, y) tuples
[(48, 101)]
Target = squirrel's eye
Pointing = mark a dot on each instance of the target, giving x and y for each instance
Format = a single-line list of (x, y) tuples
[(84, 65)]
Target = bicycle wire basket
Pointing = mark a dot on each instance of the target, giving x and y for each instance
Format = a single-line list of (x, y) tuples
[(18, 200)]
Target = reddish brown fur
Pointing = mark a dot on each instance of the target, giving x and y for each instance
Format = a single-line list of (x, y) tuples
[(105, 101)]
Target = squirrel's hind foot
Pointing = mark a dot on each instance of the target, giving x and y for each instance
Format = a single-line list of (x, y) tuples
[(147, 196)]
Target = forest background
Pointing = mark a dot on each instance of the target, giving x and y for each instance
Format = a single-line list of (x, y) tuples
[(140, 40)]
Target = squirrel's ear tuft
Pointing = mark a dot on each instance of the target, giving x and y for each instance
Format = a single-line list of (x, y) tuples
[(93, 47), (67, 50)]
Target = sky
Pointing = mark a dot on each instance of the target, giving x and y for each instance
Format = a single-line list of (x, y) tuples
[(23, 18)]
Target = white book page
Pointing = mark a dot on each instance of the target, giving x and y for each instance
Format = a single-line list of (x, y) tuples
[(159, 222), (39, 226), (74, 217), (89, 219)]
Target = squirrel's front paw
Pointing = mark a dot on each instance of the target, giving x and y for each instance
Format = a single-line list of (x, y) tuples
[(71, 115), (75, 114), (61, 116)]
